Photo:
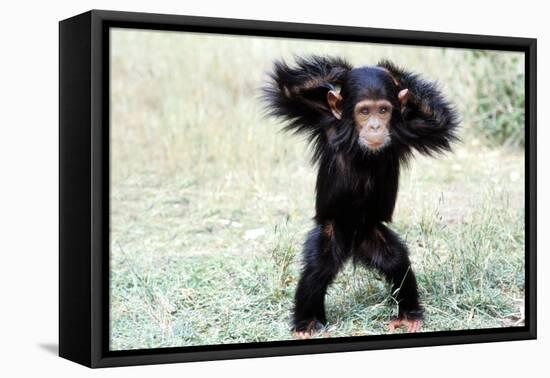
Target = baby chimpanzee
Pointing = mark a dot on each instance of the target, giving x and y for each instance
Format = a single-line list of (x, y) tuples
[(364, 123)]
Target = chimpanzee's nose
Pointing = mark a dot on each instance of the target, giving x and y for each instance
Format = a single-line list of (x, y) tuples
[(375, 126)]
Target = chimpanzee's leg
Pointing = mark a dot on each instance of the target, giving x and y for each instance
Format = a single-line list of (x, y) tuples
[(323, 257), (384, 250)]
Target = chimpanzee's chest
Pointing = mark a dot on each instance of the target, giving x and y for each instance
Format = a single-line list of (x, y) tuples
[(373, 194), (359, 194)]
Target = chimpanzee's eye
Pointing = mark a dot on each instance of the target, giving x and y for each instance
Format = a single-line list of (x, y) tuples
[(364, 111), (383, 110)]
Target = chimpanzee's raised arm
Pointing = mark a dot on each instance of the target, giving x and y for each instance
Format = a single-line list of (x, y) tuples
[(299, 94), (430, 120)]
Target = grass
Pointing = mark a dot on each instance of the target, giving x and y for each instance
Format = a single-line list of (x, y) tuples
[(210, 202), (499, 110)]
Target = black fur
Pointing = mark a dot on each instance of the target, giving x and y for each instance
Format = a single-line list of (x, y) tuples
[(356, 188)]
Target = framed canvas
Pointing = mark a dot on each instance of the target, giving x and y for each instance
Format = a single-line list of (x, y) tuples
[(235, 188)]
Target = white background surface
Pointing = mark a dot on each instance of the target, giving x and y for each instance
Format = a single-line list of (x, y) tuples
[(29, 187)]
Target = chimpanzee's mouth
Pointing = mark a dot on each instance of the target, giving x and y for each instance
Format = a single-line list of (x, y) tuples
[(374, 144)]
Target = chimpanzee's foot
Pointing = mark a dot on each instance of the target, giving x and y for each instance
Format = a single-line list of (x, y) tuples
[(307, 328), (412, 320)]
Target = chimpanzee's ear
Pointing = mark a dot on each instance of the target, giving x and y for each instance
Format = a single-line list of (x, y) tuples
[(301, 94), (403, 96), (334, 99)]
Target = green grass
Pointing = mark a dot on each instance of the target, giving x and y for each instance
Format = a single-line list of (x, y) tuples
[(210, 203), (500, 98)]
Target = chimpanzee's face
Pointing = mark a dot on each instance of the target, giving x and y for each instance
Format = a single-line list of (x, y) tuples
[(372, 122), (373, 96), (369, 98)]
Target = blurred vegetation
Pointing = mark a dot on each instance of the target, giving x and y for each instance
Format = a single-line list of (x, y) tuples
[(498, 107), (210, 202)]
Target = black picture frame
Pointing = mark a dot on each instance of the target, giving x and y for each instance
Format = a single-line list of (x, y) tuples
[(84, 187)]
